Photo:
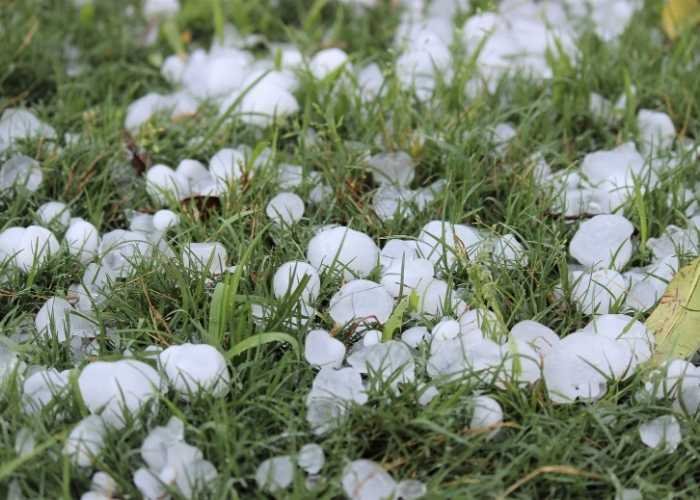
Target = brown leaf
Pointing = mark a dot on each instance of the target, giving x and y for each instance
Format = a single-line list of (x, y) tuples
[(201, 207)]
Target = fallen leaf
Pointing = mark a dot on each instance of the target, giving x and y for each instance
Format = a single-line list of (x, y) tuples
[(139, 159), (679, 15)]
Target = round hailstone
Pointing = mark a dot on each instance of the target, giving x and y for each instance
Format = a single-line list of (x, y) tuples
[(580, 364), (446, 329), (432, 297), (21, 171), (625, 329), (53, 212), (209, 257), (58, 317), (311, 458), (275, 474), (192, 368), (521, 362), (440, 242), (226, 166), (344, 385), (403, 277), (656, 130), (397, 251), (194, 171), (162, 183), (598, 291), (508, 251), (289, 276), (603, 242), (263, 105), (118, 389), (541, 338), (343, 248), (411, 489), (663, 433), (487, 413), (326, 61), (165, 219), (82, 239), (85, 441), (285, 208), (361, 300), (8, 364), (320, 194), (391, 202), (321, 349), (392, 362), (154, 449), (41, 387), (396, 169), (27, 247), (367, 480)]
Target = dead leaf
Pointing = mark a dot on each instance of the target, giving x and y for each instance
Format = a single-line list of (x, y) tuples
[(139, 159), (679, 15), (201, 207)]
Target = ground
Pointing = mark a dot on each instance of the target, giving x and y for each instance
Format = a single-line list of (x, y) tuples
[(543, 450)]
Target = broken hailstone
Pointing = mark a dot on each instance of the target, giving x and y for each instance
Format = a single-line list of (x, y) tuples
[(367, 480), (209, 257), (603, 242), (343, 248), (321, 349), (275, 474), (361, 300), (663, 433), (285, 208), (289, 276), (311, 458), (487, 413), (192, 368), (85, 441), (117, 390)]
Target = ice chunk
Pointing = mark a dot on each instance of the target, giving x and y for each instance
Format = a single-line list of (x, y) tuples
[(535, 334), (367, 480), (289, 276), (275, 474), (352, 251), (599, 291), (320, 349), (209, 257), (85, 441), (54, 213), (400, 278), (20, 171), (311, 458), (487, 413), (361, 300), (603, 242), (285, 208), (82, 240), (395, 168), (194, 368), (656, 130), (663, 433)]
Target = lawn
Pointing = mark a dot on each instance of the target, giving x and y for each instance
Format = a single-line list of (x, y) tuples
[(418, 119)]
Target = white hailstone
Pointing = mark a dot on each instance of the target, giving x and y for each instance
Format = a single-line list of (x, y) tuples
[(370, 82), (58, 317), (508, 251), (656, 130), (432, 297), (662, 433), (446, 329), (275, 474), (311, 458), (487, 413), (103, 484), (53, 212), (85, 441), (209, 257), (162, 183), (121, 250), (603, 242), (428, 393), (196, 174), (82, 240), (292, 176), (600, 107), (625, 329), (27, 247), (226, 166), (165, 219), (441, 242), (25, 442), (41, 387), (675, 241), (327, 61), (343, 248), (367, 480), (263, 104), (172, 69), (320, 194), (411, 489), (289, 276), (160, 8), (344, 385), (390, 202), (414, 336), (451, 359), (391, 362), (361, 300), (396, 251), (649, 283), (17, 124), (541, 338), (143, 108), (521, 362), (154, 449), (598, 291), (403, 277), (369, 338), (418, 67), (8, 364), (580, 364), (667, 381), (192, 368), (321, 349), (396, 168), (501, 136), (285, 208), (481, 320), (629, 494), (20, 171)]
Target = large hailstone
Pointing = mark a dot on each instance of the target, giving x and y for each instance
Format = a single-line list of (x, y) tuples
[(41, 387), (579, 366), (275, 474), (311, 458), (263, 104), (343, 248), (163, 183), (332, 391), (53, 213), (367, 480), (58, 317), (603, 242), (321, 349), (390, 361), (663, 433), (441, 242), (85, 441), (209, 257), (193, 368), (27, 247), (487, 413), (625, 329), (327, 61), (540, 337), (17, 124), (361, 300), (396, 168), (20, 171), (508, 251), (599, 291), (397, 251), (400, 278), (656, 130), (285, 208), (82, 240), (289, 276), (118, 390), (226, 166), (154, 449)]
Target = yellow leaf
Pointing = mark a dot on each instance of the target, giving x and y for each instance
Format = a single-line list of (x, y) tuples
[(676, 320), (678, 15)]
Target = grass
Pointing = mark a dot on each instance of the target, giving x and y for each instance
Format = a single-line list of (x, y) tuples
[(543, 451)]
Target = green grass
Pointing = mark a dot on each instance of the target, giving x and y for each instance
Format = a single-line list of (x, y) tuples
[(596, 446)]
